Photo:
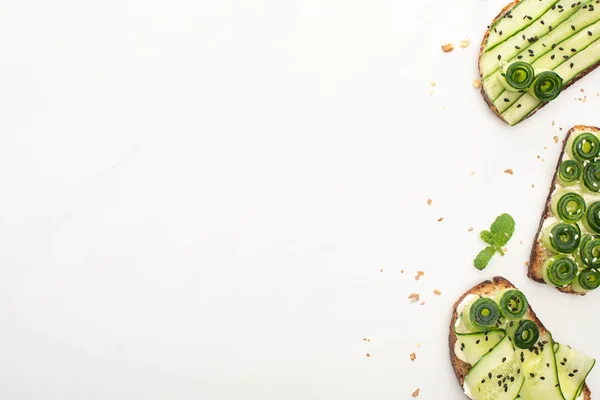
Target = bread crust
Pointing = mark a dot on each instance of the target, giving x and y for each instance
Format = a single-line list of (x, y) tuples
[(487, 288), (487, 99), (538, 253)]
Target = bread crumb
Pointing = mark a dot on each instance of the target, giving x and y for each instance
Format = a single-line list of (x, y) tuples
[(538, 156), (543, 159), (437, 292), (553, 123), (504, 249), (419, 275), (555, 139), (364, 339), (520, 242), (465, 43), (582, 90), (532, 185), (584, 99), (422, 303), (476, 83), (401, 271), (416, 393), (472, 173), (470, 229), (526, 263), (509, 171), (440, 219), (433, 83), (448, 47), (429, 201), (413, 356), (381, 270), (418, 345), (545, 147), (368, 355), (560, 128), (413, 297)]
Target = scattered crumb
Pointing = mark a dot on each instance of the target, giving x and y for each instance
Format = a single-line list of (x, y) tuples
[(440, 219), (504, 249), (433, 83), (543, 159), (381, 270), (401, 271), (538, 156), (422, 303), (532, 185), (582, 90), (413, 356), (526, 263), (472, 173), (364, 339), (429, 201), (470, 229), (476, 83), (465, 43), (509, 171), (553, 123), (431, 92), (559, 128), (437, 292), (520, 242), (545, 147), (555, 139), (413, 297), (448, 47), (418, 345), (419, 275), (368, 355), (584, 99), (416, 393)]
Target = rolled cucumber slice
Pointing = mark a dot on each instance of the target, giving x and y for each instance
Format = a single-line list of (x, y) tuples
[(497, 375), (573, 368), (540, 372), (470, 347)]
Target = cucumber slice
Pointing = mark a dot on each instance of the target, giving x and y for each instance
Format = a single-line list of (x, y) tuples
[(573, 368), (471, 347), (540, 372), (497, 375)]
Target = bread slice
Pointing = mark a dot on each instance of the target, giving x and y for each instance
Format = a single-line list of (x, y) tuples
[(503, 13), (488, 288), (539, 254)]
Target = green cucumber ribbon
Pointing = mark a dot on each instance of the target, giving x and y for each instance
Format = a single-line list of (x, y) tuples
[(591, 177), (589, 251), (583, 147), (518, 76), (546, 86), (562, 237), (568, 206), (512, 303), (481, 314), (527, 334), (569, 172), (559, 271), (587, 280), (591, 220)]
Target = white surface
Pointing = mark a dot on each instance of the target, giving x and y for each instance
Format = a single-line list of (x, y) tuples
[(197, 197)]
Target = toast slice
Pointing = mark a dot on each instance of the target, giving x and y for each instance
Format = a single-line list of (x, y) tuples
[(488, 288), (540, 46), (539, 254)]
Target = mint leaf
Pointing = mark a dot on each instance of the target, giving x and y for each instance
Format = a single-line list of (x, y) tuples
[(487, 237), (499, 234), (502, 229), (484, 257)]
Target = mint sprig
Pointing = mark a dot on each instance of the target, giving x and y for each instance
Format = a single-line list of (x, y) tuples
[(498, 236)]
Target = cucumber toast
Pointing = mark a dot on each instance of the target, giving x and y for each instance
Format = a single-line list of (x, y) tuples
[(500, 350), (533, 50)]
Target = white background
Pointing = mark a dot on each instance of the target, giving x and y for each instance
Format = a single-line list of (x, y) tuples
[(197, 197)]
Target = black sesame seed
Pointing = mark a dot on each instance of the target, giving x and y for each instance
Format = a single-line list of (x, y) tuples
[(531, 374), (574, 50), (553, 56), (542, 378), (571, 375), (590, 33), (519, 106), (572, 65), (499, 57), (573, 27)]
